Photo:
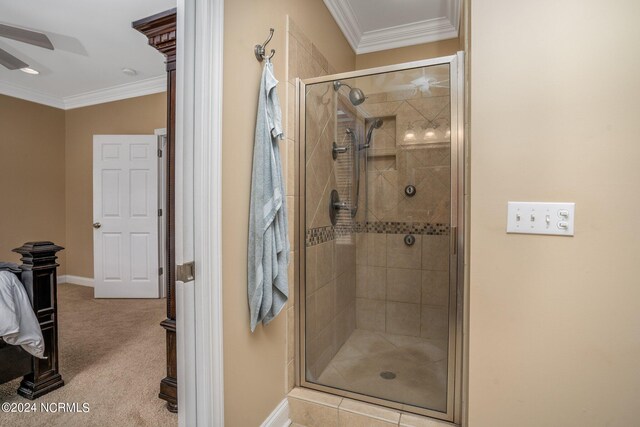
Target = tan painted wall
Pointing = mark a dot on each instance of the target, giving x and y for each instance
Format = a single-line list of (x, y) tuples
[(255, 363), (408, 54), (554, 322), (139, 115), (32, 168)]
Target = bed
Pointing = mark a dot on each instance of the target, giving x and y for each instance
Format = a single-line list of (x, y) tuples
[(37, 273)]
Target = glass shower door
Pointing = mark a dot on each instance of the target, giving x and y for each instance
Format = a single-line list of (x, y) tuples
[(379, 179)]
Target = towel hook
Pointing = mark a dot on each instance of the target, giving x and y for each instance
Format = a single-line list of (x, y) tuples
[(260, 48)]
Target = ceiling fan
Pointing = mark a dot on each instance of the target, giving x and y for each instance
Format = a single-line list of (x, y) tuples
[(9, 61)]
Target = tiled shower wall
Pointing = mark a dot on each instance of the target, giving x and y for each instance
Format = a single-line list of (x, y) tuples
[(330, 302), (403, 289), (394, 164), (330, 264)]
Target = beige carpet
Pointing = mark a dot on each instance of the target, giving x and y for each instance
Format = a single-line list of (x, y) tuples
[(112, 356)]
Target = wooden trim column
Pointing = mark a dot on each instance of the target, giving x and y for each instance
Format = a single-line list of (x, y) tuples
[(160, 29)]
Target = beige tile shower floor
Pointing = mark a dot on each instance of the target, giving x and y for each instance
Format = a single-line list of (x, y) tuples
[(419, 365)]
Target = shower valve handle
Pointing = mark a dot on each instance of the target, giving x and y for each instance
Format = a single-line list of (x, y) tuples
[(410, 190), (409, 239)]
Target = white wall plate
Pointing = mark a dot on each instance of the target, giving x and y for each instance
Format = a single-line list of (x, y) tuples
[(540, 218)]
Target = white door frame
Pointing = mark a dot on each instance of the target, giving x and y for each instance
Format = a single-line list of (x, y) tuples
[(198, 211)]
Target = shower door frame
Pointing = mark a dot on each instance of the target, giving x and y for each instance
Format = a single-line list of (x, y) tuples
[(456, 234)]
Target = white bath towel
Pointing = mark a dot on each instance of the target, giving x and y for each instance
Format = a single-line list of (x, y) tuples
[(18, 322), (268, 254)]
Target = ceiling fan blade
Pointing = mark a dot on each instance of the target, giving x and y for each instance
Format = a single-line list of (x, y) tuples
[(11, 62), (440, 83), (25, 36)]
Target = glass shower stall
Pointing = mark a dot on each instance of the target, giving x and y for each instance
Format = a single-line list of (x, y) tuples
[(380, 235)]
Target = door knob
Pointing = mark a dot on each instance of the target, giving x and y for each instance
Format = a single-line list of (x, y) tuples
[(97, 225)]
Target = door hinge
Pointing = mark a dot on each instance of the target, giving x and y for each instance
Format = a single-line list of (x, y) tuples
[(159, 212), (186, 272), (160, 271), (159, 152)]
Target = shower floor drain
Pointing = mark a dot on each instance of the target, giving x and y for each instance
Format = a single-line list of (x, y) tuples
[(387, 375)]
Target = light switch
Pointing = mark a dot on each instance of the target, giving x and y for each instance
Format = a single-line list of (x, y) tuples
[(540, 218)]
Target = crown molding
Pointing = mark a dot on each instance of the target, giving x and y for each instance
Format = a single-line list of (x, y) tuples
[(346, 19), (114, 93), (427, 31), (30, 95), (407, 35)]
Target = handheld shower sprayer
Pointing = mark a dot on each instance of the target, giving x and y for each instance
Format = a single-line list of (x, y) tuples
[(375, 124)]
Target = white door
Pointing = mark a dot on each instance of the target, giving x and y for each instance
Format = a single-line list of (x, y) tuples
[(125, 216)]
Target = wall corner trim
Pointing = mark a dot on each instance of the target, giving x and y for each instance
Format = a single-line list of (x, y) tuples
[(279, 417), (76, 280)]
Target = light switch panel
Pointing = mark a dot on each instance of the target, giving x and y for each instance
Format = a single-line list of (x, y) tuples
[(540, 218)]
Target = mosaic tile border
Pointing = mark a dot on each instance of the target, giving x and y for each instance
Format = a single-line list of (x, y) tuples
[(316, 236)]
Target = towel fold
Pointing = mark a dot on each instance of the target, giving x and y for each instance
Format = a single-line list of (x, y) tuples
[(268, 254)]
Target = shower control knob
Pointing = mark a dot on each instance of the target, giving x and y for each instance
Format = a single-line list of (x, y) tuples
[(410, 190), (409, 239)]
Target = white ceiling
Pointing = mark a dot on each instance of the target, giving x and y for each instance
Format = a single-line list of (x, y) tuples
[(93, 41), (373, 25)]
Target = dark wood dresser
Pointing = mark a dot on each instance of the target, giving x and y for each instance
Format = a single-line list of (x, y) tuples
[(160, 29)]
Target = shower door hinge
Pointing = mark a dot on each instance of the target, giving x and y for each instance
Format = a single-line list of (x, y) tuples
[(159, 212), (186, 272), (159, 152), (160, 271)]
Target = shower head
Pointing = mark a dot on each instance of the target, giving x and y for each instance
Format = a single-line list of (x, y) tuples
[(356, 96)]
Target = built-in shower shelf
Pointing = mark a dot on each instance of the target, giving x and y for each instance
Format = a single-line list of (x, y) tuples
[(381, 152), (424, 144)]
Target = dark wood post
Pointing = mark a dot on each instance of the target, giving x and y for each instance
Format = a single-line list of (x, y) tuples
[(40, 280), (160, 30)]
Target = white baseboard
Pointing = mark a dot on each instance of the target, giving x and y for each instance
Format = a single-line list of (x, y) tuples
[(279, 417), (76, 280)]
